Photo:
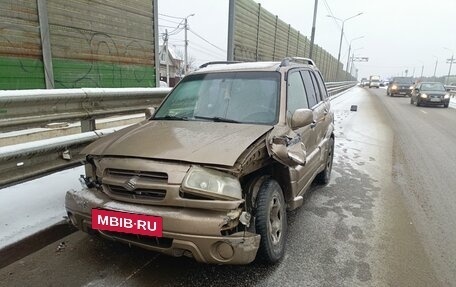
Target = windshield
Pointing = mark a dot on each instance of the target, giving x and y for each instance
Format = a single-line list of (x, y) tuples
[(244, 97), (407, 81), (432, 87)]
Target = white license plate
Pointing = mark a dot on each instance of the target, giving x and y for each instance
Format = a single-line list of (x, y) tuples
[(435, 100)]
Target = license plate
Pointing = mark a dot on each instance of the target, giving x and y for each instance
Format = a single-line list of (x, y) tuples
[(402, 93), (435, 100), (127, 222)]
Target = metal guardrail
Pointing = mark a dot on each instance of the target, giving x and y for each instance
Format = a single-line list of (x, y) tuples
[(28, 160), (33, 108)]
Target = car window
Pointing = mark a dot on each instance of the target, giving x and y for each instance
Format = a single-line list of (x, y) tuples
[(309, 85), (296, 94), (316, 87), (321, 84), (432, 87)]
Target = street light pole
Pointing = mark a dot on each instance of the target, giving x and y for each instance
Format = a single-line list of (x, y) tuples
[(341, 36), (349, 50), (312, 35)]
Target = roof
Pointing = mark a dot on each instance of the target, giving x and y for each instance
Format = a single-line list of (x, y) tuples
[(171, 52)]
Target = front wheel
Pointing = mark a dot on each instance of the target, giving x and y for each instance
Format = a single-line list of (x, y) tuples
[(271, 221), (325, 175), (446, 105)]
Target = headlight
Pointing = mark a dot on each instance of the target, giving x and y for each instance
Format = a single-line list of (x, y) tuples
[(394, 87), (447, 96), (212, 183), (411, 87), (424, 96)]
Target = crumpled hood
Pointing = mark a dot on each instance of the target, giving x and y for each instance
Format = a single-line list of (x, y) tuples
[(190, 141)]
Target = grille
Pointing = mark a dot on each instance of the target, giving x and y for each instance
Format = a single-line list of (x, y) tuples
[(147, 175), (139, 193)]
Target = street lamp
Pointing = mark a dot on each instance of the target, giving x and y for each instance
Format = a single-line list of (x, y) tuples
[(349, 50), (186, 43), (341, 36), (451, 63)]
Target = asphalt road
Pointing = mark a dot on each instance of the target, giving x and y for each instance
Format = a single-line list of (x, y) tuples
[(385, 219)]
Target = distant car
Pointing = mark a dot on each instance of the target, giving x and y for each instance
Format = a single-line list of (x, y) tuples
[(430, 93), (364, 82), (374, 81), (399, 86)]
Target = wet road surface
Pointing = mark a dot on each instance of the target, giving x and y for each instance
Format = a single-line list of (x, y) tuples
[(360, 230)]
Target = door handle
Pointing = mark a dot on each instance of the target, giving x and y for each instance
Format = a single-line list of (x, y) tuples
[(325, 112), (313, 124)]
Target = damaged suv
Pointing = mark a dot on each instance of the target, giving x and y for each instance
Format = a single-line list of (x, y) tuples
[(212, 173)]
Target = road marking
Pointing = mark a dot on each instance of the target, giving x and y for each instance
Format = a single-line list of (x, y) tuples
[(137, 270), (424, 112)]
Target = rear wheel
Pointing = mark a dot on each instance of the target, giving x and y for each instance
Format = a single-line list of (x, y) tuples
[(325, 175), (271, 221)]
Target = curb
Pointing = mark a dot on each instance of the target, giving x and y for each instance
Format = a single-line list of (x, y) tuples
[(34, 242)]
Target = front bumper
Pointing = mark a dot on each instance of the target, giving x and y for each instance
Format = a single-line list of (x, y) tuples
[(186, 231), (400, 91), (429, 102)]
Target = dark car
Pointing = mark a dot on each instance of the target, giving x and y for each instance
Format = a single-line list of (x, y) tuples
[(399, 86), (430, 93)]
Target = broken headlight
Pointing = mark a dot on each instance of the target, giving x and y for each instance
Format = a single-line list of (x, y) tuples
[(90, 179), (211, 183)]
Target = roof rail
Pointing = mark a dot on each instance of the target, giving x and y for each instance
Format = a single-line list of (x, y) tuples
[(288, 60), (218, 63)]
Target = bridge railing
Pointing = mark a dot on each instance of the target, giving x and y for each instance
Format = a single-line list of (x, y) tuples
[(33, 108)]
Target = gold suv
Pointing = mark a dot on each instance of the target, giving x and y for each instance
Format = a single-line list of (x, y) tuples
[(212, 173)]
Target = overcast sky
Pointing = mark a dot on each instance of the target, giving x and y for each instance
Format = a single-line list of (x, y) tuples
[(398, 34)]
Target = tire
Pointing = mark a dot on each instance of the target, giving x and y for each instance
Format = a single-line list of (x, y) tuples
[(446, 105), (418, 102), (325, 175), (411, 101), (271, 222)]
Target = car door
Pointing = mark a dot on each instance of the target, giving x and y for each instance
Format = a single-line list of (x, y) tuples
[(320, 111), (324, 117), (293, 147)]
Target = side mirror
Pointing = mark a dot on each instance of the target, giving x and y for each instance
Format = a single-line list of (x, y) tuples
[(448, 89), (417, 90), (301, 118), (149, 112)]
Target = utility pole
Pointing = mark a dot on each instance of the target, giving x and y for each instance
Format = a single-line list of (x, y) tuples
[(186, 47), (186, 43), (422, 69), (312, 35), (449, 71), (165, 43), (435, 68)]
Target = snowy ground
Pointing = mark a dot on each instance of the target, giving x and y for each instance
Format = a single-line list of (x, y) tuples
[(34, 205)]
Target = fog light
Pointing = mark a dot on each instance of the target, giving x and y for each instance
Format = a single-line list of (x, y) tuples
[(225, 250)]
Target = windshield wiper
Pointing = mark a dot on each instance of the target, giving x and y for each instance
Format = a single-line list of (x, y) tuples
[(172, 118), (217, 119)]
